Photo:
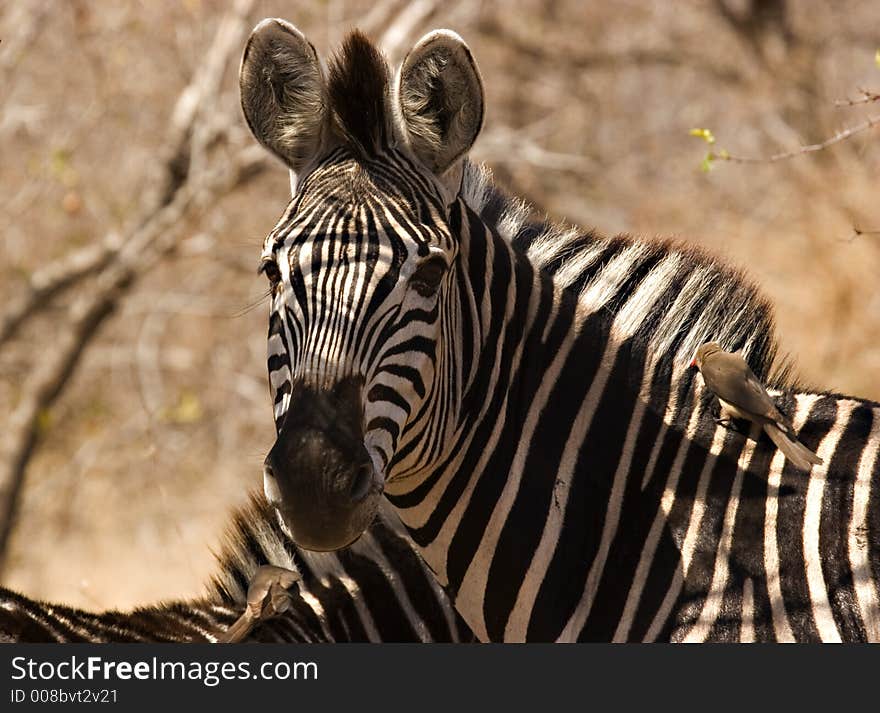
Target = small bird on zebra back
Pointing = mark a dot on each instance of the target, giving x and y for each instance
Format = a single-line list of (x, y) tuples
[(267, 597), (742, 395)]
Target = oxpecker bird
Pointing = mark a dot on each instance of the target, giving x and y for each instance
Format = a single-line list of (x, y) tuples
[(741, 395), (267, 597)]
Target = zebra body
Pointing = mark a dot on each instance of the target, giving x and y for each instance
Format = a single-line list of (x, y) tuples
[(520, 392), (379, 590), (603, 502)]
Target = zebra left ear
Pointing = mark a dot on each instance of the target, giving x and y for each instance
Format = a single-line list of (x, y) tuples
[(440, 100)]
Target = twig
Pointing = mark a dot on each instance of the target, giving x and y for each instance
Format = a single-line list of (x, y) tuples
[(54, 279), (379, 16), (856, 233), (503, 145), (28, 21), (579, 59), (866, 98), (185, 147), (837, 138), (394, 40), (147, 358)]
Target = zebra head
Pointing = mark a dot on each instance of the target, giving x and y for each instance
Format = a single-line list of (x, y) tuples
[(361, 262)]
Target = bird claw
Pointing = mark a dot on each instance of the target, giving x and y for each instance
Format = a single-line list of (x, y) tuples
[(267, 597), (730, 424)]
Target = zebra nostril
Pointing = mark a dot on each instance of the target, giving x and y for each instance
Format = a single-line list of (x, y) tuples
[(363, 479)]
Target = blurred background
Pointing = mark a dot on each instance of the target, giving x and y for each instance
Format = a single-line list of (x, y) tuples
[(133, 405)]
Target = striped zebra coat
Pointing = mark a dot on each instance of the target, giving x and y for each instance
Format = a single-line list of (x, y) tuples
[(520, 392), (378, 590), (706, 533)]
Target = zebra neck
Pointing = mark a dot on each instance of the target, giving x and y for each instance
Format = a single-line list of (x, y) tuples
[(488, 331), (596, 497), (562, 383), (516, 336)]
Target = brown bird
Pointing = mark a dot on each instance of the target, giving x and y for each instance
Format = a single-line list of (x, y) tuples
[(266, 597), (741, 395)]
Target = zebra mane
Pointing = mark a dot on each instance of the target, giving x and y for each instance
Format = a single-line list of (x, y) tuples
[(703, 298), (357, 89), (254, 538)]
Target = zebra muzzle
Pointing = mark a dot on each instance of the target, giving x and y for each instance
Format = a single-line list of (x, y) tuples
[(318, 473)]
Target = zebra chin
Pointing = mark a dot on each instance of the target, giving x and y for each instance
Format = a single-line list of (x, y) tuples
[(317, 522), (318, 475), (320, 524), (321, 536)]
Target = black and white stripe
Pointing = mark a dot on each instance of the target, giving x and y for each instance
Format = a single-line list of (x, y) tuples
[(643, 519), (378, 590), (542, 438)]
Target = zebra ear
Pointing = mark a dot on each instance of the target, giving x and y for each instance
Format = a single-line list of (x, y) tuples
[(283, 93), (440, 99)]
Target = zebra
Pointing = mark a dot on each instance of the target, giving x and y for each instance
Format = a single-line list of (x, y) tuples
[(379, 590), (519, 390)]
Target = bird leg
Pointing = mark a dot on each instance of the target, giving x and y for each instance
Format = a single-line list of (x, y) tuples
[(722, 417), (267, 597)]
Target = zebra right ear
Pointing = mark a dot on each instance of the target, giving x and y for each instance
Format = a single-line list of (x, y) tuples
[(440, 99), (283, 92)]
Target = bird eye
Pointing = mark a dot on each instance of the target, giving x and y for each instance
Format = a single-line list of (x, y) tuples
[(428, 275), (270, 269)]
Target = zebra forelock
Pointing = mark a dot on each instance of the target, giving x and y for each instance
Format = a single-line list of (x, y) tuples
[(357, 88)]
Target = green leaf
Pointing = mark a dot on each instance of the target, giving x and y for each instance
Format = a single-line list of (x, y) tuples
[(61, 168), (704, 134), (707, 163), (188, 409)]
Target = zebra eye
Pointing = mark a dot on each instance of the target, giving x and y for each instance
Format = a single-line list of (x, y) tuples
[(270, 269), (428, 275)]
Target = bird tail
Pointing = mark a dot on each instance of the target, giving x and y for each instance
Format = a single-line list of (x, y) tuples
[(792, 448)]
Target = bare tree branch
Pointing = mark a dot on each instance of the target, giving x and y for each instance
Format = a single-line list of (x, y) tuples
[(506, 145), (118, 263), (189, 135), (55, 278), (843, 135), (866, 98), (579, 59), (154, 240), (28, 19), (760, 19), (399, 30)]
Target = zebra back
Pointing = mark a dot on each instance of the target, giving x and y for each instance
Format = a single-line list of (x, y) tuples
[(379, 590), (25, 620)]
